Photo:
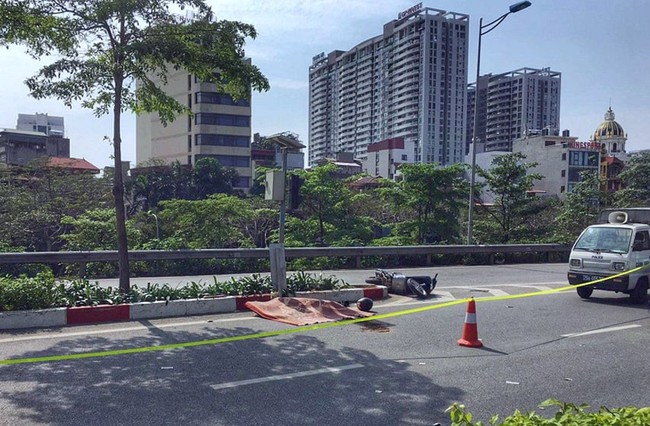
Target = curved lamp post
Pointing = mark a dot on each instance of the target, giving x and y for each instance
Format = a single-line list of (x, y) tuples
[(483, 29), (157, 225)]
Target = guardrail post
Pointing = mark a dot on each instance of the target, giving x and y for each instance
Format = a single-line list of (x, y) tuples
[(428, 260), (82, 269), (357, 260)]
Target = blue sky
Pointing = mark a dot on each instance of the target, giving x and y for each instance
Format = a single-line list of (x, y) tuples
[(599, 46)]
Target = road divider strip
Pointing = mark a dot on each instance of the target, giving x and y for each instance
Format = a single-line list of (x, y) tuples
[(274, 333)]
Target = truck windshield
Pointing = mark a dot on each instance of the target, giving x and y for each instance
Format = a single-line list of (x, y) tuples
[(605, 239)]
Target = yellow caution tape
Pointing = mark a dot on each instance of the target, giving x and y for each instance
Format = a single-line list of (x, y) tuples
[(274, 333)]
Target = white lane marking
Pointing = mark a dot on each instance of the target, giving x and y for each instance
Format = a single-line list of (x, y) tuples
[(120, 330), (285, 376), (536, 287), (602, 330), (436, 296)]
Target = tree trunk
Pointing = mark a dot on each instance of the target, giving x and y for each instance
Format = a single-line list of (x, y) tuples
[(118, 190)]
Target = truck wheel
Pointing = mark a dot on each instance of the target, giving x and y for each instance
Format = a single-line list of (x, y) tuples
[(640, 292), (585, 292)]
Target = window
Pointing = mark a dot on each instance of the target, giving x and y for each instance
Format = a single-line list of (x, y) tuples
[(219, 98), (221, 140), (222, 119), (564, 156), (563, 173), (404, 157), (228, 160)]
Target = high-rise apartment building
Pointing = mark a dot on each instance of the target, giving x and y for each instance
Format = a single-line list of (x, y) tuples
[(512, 104), (409, 82), (220, 128)]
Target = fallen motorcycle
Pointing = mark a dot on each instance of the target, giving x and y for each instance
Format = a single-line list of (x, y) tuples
[(397, 283)]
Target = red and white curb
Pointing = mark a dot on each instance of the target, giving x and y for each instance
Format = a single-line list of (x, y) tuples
[(59, 317)]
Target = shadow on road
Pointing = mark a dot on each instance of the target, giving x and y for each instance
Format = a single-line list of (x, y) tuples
[(173, 387)]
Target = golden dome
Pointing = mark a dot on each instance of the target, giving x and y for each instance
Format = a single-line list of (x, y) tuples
[(609, 128)]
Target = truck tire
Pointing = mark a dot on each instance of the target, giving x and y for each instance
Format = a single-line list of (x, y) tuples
[(640, 292), (585, 291)]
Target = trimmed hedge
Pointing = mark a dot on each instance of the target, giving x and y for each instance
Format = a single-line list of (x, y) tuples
[(43, 291)]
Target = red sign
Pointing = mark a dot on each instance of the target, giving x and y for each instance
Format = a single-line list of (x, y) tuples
[(595, 146)]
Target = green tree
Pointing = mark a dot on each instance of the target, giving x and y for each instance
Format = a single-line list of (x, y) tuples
[(209, 177), (211, 223), (326, 200), (508, 183), (35, 198), (104, 46), (433, 196), (580, 208), (636, 183)]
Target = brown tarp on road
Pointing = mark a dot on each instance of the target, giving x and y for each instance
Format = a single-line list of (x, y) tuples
[(304, 311)]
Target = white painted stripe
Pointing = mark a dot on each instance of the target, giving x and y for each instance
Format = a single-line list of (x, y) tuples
[(436, 297), (470, 318), (285, 376), (53, 335), (602, 330), (536, 287)]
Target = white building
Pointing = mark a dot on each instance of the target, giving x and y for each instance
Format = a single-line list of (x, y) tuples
[(561, 160), (409, 82), (42, 123), (385, 157), (219, 129)]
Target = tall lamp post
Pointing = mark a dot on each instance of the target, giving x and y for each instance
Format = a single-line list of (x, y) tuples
[(483, 29)]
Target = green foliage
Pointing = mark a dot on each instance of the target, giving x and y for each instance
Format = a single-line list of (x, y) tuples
[(580, 208), (43, 291), (636, 183), (215, 222), (28, 293), (325, 203), (35, 198), (95, 230), (432, 197), (508, 183), (567, 414)]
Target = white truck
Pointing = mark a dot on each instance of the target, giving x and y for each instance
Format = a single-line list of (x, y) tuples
[(620, 242)]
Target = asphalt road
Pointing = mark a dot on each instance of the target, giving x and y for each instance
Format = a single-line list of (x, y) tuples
[(406, 369)]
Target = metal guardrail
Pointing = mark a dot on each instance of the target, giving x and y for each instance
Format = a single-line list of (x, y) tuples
[(358, 253)]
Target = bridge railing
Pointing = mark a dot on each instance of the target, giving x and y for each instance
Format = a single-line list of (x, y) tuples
[(358, 253)]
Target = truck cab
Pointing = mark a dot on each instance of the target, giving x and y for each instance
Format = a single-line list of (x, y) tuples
[(619, 243)]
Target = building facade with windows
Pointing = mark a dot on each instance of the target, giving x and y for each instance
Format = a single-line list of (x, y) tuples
[(42, 123), (512, 104), (21, 147), (220, 128), (560, 160), (409, 82), (385, 157)]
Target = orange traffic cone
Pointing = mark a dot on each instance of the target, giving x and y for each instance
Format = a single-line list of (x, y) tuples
[(470, 331)]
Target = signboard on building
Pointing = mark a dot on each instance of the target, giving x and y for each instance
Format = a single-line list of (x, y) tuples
[(318, 57), (410, 11), (594, 146)]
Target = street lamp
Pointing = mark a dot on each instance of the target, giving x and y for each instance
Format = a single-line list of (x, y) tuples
[(483, 29), (157, 225)]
